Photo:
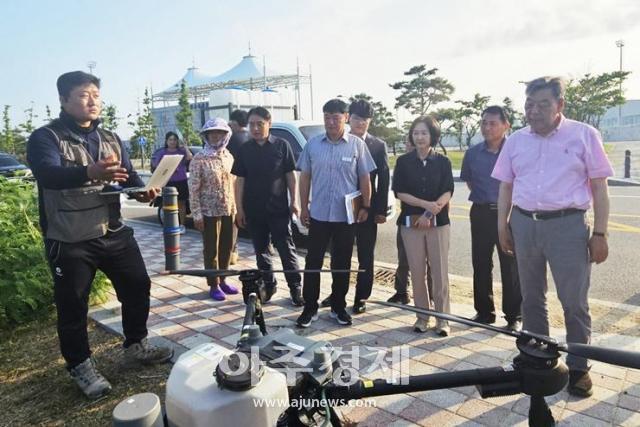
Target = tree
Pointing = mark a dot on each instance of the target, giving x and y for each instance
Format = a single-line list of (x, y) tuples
[(451, 123), (422, 91), (48, 117), (143, 127), (515, 117), (470, 115), (7, 140), (588, 98), (184, 117), (109, 117)]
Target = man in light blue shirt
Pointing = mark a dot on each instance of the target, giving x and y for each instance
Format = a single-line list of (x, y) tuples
[(331, 166)]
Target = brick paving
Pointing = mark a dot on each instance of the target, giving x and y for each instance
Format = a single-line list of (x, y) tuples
[(183, 316)]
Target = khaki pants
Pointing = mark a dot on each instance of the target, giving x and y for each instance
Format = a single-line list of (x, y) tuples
[(432, 245), (218, 242)]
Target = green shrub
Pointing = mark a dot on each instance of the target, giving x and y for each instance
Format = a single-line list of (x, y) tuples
[(26, 287)]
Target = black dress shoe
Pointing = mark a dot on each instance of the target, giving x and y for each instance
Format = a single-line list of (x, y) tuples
[(359, 307), (296, 297), (399, 298), (580, 384), (482, 318), (269, 292), (326, 302), (514, 325)]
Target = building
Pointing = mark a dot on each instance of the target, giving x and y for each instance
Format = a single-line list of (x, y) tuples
[(246, 85), (622, 123)]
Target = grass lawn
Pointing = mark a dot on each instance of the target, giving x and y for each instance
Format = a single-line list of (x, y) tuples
[(35, 388)]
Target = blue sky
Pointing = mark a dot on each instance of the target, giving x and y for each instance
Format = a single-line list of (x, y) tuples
[(356, 46)]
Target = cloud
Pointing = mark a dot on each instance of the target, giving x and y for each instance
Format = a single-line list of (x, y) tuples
[(551, 24)]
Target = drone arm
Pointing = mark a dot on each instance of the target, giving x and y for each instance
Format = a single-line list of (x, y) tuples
[(614, 356), (509, 378)]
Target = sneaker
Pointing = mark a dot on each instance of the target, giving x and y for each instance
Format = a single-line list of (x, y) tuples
[(341, 316), (442, 328), (228, 289), (359, 307), (580, 383), (182, 229), (326, 302), (514, 325), (399, 298), (92, 384), (147, 354), (421, 325), (233, 259), (307, 316), (296, 296), (217, 294)]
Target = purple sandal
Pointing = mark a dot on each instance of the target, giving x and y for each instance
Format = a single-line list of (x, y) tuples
[(228, 289), (217, 294)]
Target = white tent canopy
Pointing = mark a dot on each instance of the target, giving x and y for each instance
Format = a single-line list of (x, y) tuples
[(248, 73)]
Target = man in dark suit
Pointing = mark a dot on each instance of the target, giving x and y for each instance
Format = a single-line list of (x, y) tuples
[(360, 115)]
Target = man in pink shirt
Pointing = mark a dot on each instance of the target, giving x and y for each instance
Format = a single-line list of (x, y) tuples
[(550, 172)]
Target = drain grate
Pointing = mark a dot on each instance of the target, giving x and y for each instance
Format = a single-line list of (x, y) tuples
[(384, 276)]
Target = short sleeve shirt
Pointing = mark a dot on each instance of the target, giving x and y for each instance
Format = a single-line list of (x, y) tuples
[(264, 168), (425, 179), (553, 172), (335, 169)]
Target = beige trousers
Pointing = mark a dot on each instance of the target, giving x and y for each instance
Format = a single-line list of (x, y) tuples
[(430, 244)]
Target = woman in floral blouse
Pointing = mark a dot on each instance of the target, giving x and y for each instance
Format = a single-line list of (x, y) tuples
[(212, 203)]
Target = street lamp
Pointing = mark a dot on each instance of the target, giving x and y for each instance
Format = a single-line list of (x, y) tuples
[(620, 45), (91, 65)]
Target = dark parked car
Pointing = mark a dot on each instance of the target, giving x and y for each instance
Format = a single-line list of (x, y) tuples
[(10, 166)]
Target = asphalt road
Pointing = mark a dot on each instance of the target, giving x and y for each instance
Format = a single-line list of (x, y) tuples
[(616, 280)]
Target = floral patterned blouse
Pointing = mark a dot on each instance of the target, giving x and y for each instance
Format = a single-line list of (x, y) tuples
[(211, 185)]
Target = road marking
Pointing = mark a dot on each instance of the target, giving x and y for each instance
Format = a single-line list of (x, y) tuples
[(616, 226), (613, 226), (628, 197)]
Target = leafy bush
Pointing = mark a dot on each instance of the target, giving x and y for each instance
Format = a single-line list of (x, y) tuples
[(26, 287)]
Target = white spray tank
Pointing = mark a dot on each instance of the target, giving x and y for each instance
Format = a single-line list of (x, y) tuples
[(256, 397)]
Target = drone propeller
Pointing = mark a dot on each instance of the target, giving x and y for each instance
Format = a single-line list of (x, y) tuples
[(625, 358), (227, 273)]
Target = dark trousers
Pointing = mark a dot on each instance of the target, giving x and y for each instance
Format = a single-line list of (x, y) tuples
[(277, 229), (401, 282), (366, 234), (342, 236), (484, 237), (74, 265)]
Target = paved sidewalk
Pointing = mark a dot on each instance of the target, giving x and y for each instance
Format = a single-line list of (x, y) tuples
[(183, 316)]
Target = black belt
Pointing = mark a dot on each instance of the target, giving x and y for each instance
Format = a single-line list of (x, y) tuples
[(492, 206), (542, 215)]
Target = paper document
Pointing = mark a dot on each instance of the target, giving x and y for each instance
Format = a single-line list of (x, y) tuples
[(159, 178), (353, 203)]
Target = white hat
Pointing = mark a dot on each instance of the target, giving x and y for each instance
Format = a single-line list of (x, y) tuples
[(216, 123)]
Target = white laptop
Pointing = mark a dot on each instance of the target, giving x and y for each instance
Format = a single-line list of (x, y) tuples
[(159, 178)]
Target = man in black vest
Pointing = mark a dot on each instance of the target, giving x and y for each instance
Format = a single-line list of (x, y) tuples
[(72, 158)]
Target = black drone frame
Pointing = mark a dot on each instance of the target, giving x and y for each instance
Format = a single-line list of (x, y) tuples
[(537, 371)]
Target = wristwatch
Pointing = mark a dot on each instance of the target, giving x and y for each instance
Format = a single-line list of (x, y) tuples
[(597, 233)]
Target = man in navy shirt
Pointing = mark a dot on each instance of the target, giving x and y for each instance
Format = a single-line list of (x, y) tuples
[(477, 166), (264, 166)]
